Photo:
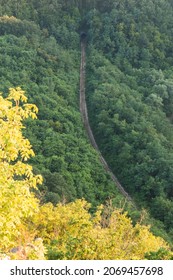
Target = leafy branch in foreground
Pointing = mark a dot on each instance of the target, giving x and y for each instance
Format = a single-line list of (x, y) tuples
[(16, 177)]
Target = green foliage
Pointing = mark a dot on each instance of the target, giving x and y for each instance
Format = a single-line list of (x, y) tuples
[(134, 135), (50, 74), (129, 86), (129, 95), (161, 254)]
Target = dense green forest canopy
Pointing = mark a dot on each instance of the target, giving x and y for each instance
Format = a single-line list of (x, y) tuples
[(130, 98), (129, 95), (48, 69)]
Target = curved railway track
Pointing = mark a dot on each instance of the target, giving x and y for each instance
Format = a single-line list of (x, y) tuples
[(84, 114)]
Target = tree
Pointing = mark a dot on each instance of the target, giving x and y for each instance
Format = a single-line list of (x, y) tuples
[(17, 202)]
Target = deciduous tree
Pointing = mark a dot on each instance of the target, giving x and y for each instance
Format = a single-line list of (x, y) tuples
[(17, 202)]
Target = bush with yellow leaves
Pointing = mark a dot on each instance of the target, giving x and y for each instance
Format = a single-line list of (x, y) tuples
[(71, 232)]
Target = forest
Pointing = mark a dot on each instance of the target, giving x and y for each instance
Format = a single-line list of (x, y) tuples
[(55, 193)]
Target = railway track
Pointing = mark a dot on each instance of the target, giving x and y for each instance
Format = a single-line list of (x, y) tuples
[(84, 115)]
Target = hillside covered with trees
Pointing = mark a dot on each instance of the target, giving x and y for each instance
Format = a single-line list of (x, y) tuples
[(129, 89)]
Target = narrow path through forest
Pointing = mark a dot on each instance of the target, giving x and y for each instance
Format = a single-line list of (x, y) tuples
[(84, 114)]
